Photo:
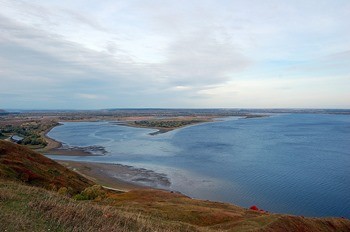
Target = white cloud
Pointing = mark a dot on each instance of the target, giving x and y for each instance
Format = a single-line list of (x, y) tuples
[(90, 96), (181, 88), (202, 60), (173, 54)]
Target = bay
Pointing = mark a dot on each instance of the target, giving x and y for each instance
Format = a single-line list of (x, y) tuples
[(285, 163)]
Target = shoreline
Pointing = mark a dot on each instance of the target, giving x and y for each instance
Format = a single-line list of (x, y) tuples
[(124, 178), (162, 130), (51, 143), (110, 175), (55, 147), (106, 174)]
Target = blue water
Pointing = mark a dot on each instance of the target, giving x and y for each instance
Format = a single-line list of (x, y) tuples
[(290, 163)]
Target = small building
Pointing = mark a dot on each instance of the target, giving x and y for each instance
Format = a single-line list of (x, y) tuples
[(16, 138)]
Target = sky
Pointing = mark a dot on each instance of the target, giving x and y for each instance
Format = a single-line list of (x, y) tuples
[(91, 54)]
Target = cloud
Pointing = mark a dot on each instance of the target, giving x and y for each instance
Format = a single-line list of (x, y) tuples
[(34, 61), (201, 60), (177, 54), (90, 96), (82, 19), (277, 92), (181, 88), (44, 17)]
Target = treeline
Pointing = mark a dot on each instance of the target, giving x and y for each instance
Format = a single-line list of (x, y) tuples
[(33, 140), (165, 123), (30, 132)]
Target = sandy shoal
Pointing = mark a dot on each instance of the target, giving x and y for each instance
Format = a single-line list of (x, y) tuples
[(100, 173)]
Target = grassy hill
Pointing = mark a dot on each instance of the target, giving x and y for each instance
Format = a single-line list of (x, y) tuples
[(33, 201), (20, 163)]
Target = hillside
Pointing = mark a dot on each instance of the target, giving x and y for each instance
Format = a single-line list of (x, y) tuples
[(20, 163), (28, 204)]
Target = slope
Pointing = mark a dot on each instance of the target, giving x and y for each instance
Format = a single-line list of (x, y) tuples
[(20, 163)]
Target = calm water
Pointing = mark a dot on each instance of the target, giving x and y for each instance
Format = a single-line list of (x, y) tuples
[(292, 163)]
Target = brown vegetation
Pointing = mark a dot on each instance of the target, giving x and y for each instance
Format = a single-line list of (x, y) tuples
[(219, 216), (20, 163), (25, 208)]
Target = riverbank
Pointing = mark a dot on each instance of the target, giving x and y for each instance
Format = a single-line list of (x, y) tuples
[(115, 175), (165, 124), (104, 174), (51, 144), (162, 125), (55, 147)]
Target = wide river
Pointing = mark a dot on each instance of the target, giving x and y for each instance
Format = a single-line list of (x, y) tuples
[(286, 163)]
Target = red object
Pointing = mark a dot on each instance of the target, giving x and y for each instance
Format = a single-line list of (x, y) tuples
[(254, 207)]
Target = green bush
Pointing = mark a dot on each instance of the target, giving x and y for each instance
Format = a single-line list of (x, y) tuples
[(91, 193), (63, 191), (80, 197)]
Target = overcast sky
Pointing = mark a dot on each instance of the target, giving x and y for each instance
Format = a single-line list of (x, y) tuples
[(91, 54)]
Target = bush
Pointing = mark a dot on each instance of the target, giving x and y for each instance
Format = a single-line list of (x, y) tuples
[(80, 197), (63, 191), (91, 193)]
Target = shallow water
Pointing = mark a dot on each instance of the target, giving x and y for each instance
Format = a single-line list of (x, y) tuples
[(291, 163)]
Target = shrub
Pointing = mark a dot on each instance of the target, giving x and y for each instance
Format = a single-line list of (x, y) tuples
[(63, 191), (91, 193), (80, 197), (66, 191)]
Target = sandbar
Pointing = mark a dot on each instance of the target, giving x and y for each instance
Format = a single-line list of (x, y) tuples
[(102, 174)]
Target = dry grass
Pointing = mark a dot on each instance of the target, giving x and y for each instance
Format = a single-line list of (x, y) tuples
[(27, 208), (20, 163), (215, 216)]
